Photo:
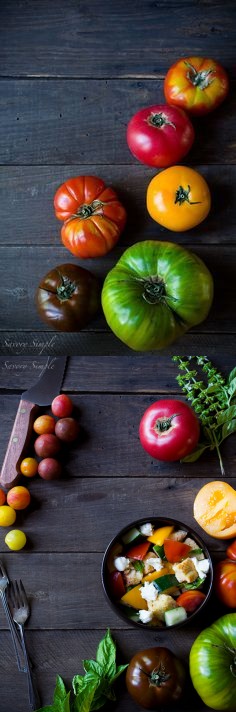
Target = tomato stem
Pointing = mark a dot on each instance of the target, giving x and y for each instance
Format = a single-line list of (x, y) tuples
[(65, 289), (201, 79), (164, 424), (182, 195), (158, 676), (154, 290), (87, 209), (159, 120)]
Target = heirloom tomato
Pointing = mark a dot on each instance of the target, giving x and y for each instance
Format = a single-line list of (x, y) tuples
[(196, 84), (160, 135), (215, 509), (68, 297), (213, 664), (155, 678), (178, 198), (169, 430), (155, 293), (231, 551), (225, 582), (92, 214)]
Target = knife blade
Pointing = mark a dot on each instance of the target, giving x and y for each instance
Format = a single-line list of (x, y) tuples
[(40, 394)]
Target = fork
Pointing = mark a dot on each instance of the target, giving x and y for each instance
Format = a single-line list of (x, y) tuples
[(4, 582), (20, 613)]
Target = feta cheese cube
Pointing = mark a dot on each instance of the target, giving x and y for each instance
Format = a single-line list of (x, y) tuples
[(146, 529), (148, 591), (145, 616), (121, 563)]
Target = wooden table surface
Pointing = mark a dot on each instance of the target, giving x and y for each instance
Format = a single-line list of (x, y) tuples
[(72, 74)]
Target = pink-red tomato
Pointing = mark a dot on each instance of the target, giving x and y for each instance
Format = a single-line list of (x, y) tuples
[(169, 430), (18, 497), (160, 135), (67, 429), (47, 445), (62, 406), (49, 468)]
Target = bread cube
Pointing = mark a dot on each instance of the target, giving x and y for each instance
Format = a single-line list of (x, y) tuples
[(160, 605), (132, 577), (185, 571)]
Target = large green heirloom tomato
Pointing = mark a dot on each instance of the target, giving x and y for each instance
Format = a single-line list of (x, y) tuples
[(213, 664), (155, 293)]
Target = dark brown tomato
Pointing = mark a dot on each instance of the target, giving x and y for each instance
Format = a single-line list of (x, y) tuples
[(155, 678), (68, 297)]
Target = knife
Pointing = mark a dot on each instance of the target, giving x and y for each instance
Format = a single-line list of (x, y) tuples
[(41, 394)]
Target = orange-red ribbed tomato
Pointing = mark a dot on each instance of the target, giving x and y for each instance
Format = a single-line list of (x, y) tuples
[(92, 214), (225, 582), (196, 84)]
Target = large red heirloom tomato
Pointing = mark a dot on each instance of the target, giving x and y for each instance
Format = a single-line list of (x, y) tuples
[(155, 678), (225, 582), (196, 84), (160, 135), (93, 216), (169, 430)]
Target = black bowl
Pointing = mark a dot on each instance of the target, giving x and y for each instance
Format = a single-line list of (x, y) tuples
[(124, 612)]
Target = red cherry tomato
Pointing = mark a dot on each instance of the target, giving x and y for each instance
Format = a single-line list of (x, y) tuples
[(175, 551), (49, 468), (190, 600), (62, 406), (231, 551), (169, 430), (67, 429), (47, 445), (160, 135), (138, 552), (225, 582)]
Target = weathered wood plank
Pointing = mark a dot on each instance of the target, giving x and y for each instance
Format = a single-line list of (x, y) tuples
[(18, 285), (113, 39), (137, 373), (79, 121), (28, 191), (61, 652)]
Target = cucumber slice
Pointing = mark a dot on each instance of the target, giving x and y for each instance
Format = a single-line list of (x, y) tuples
[(162, 583), (132, 535), (175, 615), (159, 550)]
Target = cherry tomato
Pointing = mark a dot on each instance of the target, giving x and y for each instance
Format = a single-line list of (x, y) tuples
[(155, 678), (169, 430), (225, 582), (15, 539), (44, 424), (190, 600), (160, 135), (29, 467), (138, 552), (178, 198), (67, 429), (2, 497), (62, 406), (47, 445), (92, 213), (49, 468), (18, 497), (231, 551), (175, 551), (7, 516), (196, 84)]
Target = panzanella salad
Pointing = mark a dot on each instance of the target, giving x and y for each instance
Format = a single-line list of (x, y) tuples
[(157, 574)]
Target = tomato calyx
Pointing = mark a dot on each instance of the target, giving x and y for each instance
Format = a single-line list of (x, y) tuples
[(158, 120), (201, 79), (158, 676), (66, 288), (87, 209), (182, 196), (162, 425), (154, 290)]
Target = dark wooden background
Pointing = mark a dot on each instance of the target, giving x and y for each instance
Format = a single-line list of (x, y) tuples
[(72, 75)]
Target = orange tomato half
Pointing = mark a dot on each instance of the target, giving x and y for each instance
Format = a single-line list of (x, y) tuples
[(178, 198), (196, 84)]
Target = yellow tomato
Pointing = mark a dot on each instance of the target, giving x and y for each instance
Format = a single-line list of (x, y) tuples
[(15, 539), (215, 509), (29, 467), (178, 198), (7, 516)]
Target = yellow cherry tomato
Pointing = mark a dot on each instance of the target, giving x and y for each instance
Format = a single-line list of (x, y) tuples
[(15, 539), (29, 467), (7, 516), (178, 198)]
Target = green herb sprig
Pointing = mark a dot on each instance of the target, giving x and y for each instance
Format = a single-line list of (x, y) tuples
[(214, 400), (92, 690)]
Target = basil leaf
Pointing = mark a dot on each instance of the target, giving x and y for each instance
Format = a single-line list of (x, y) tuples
[(228, 428), (77, 682), (60, 690), (231, 375), (84, 698), (195, 584), (227, 414), (119, 670), (48, 708), (195, 454), (100, 702), (106, 655), (195, 552), (93, 667), (232, 388)]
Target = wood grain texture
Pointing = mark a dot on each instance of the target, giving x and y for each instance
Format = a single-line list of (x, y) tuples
[(112, 39), (29, 190), (76, 121)]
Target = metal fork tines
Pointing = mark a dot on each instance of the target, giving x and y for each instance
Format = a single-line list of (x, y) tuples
[(4, 583), (20, 612)]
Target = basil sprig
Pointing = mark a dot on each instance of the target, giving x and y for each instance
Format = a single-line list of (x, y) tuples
[(214, 400), (92, 690)]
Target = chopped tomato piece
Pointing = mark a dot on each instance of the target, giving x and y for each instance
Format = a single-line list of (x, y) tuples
[(116, 584), (175, 551), (139, 551), (190, 600)]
